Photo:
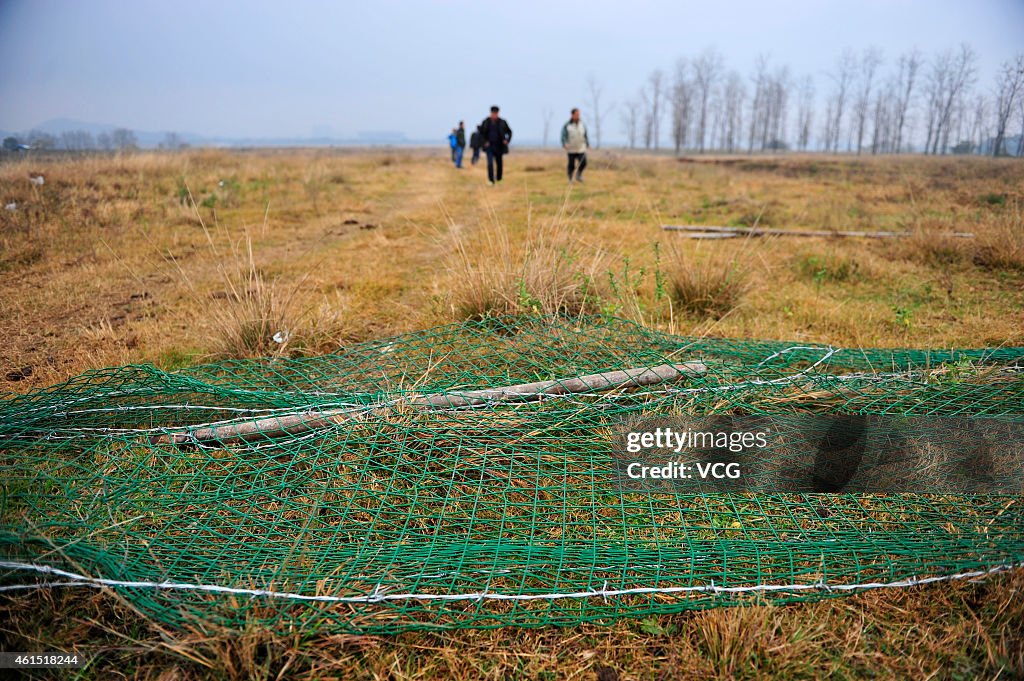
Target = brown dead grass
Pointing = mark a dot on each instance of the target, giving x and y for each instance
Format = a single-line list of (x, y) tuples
[(1001, 247), (107, 264), (709, 286), (547, 271), (961, 630)]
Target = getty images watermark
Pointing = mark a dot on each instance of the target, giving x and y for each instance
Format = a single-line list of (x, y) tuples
[(677, 441), (822, 453)]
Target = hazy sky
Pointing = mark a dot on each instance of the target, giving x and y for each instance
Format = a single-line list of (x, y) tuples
[(264, 69)]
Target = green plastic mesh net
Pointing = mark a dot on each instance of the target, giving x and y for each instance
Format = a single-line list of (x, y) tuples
[(379, 490)]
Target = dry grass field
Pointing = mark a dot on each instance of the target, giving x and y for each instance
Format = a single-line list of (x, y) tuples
[(179, 258)]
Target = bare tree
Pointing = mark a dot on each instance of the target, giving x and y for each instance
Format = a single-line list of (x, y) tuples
[(964, 77), (681, 99), (773, 135), (978, 130), (1020, 138), (935, 86), (826, 129), (769, 107), (596, 110), (909, 65), (757, 102), (77, 140), (884, 119), (547, 113), (842, 77), (652, 97), (124, 139), (631, 113), (716, 120), (733, 97), (647, 123), (868, 66), (805, 113), (104, 141), (173, 142), (951, 76), (1009, 89), (960, 130), (706, 70)]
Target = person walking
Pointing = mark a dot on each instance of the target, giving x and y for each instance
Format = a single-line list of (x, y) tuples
[(496, 135), (475, 142), (453, 143), (575, 143), (460, 144)]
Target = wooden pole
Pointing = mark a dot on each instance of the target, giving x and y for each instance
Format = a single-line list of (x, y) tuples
[(311, 420), (713, 232)]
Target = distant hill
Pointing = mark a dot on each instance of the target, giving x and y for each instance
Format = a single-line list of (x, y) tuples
[(152, 139)]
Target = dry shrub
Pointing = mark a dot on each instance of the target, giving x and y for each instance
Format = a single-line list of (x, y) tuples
[(932, 247), (998, 243), (20, 256), (257, 315), (1001, 246), (261, 315), (709, 286), (547, 272), (735, 640)]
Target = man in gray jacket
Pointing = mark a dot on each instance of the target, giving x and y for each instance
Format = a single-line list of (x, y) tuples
[(575, 142)]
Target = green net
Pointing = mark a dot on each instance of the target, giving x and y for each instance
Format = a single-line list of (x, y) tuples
[(364, 492)]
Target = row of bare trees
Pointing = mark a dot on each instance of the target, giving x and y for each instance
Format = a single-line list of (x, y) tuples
[(119, 139), (933, 105)]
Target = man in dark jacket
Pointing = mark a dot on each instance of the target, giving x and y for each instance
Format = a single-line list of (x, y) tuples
[(460, 143), (475, 142), (496, 135)]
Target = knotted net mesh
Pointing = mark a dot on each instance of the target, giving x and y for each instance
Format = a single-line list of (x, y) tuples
[(383, 500)]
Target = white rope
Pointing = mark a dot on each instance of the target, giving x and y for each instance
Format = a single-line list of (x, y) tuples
[(379, 594), (830, 351)]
